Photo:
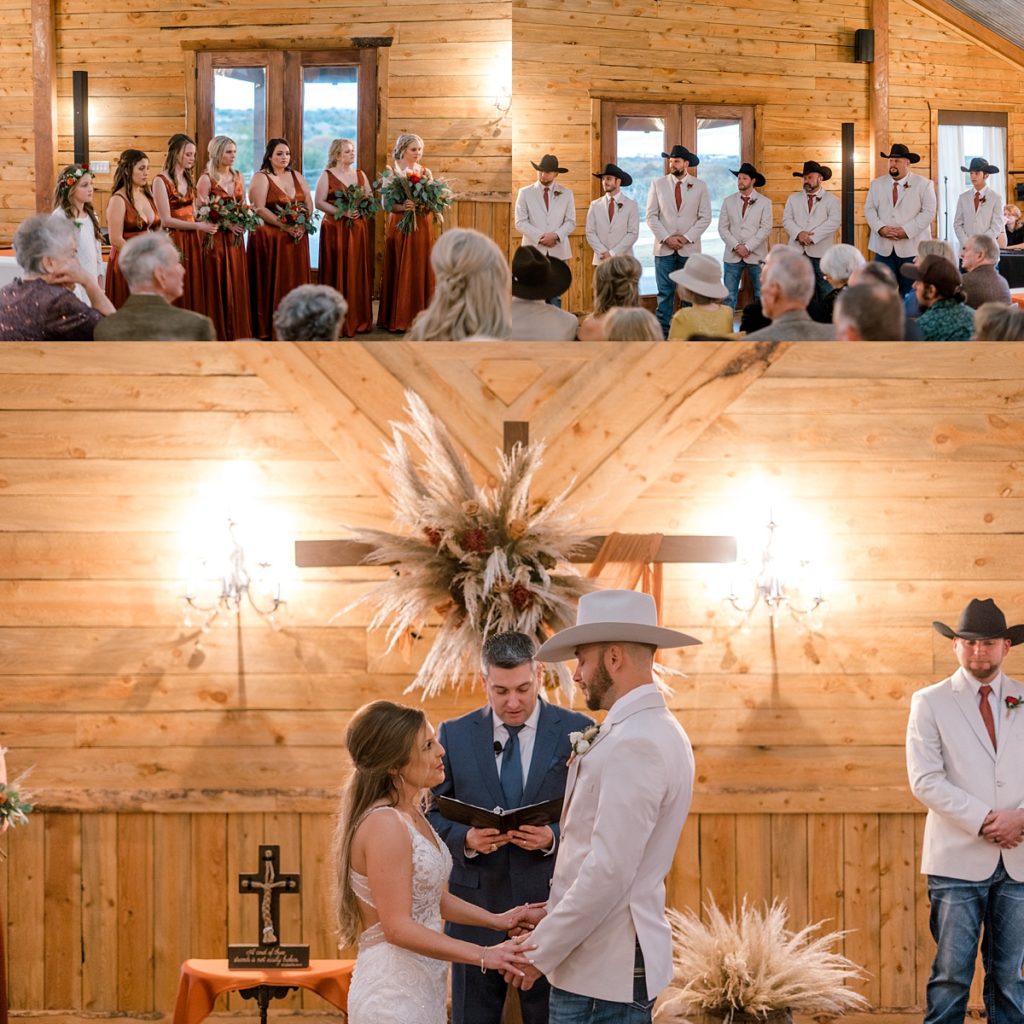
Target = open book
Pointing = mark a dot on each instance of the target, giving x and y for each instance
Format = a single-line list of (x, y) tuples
[(480, 817)]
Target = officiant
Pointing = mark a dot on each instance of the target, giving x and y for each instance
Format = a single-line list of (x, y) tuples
[(510, 753)]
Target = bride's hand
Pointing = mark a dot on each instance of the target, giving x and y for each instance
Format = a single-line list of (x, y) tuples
[(520, 920), (509, 957)]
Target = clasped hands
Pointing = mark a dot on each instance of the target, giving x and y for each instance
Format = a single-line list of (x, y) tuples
[(521, 973), (529, 837), (892, 231), (1004, 828)]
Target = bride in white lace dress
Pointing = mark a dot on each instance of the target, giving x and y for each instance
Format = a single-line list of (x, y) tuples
[(393, 877)]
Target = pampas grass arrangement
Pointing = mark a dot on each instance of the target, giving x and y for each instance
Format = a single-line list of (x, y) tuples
[(484, 559), (750, 964)]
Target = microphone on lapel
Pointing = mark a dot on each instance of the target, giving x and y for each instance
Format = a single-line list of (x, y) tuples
[(498, 748)]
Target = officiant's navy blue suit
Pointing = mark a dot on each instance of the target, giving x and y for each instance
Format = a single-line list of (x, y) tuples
[(510, 876)]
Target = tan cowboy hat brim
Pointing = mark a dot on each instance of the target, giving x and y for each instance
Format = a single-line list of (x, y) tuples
[(562, 646)]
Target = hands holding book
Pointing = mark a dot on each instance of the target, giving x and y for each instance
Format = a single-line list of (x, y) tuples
[(526, 837)]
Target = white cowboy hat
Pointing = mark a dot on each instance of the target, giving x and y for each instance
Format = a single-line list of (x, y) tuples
[(607, 616)]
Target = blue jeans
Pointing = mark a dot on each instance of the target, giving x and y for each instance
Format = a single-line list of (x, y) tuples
[(663, 266), (894, 262), (570, 1008), (556, 301), (733, 273), (821, 286), (961, 911)]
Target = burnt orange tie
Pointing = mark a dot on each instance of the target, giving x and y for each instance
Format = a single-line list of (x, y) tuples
[(746, 201), (977, 201), (895, 193), (679, 194), (611, 209), (810, 203), (547, 205), (984, 692)]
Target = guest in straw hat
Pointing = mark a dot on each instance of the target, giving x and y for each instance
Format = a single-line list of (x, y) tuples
[(700, 284)]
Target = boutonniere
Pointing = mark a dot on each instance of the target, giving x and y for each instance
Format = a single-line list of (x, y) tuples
[(982, 199), (618, 206), (750, 202), (557, 193), (906, 185), (689, 185), (817, 199), (1012, 703), (581, 742)]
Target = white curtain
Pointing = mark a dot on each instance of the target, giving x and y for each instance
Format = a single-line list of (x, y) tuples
[(958, 143)]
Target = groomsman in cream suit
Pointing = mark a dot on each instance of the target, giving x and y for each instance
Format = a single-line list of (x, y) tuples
[(678, 213), (545, 213), (812, 217), (745, 224), (899, 209), (604, 943), (613, 221), (965, 759), (979, 210)]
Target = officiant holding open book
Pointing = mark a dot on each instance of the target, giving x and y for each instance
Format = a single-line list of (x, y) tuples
[(512, 753)]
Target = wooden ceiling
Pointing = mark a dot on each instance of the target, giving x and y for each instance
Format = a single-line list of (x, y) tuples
[(1001, 16)]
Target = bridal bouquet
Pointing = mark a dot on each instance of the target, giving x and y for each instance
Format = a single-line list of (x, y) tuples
[(294, 214), (352, 202), (227, 213), (431, 195)]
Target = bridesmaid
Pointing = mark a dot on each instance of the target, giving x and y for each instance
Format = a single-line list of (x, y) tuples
[(278, 255), (73, 199), (408, 281), (346, 251), (225, 273), (175, 192), (130, 211)]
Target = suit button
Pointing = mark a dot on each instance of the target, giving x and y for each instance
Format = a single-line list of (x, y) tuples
[(998, 783)]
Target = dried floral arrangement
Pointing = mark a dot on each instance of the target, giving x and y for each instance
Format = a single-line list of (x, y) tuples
[(484, 559), (752, 964)]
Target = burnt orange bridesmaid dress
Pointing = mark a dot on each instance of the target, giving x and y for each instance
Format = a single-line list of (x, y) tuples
[(190, 245), (115, 286), (346, 262), (408, 280), (226, 277)]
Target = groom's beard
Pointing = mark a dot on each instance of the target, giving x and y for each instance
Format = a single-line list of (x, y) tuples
[(598, 687)]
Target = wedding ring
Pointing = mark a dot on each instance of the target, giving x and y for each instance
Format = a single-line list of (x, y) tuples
[(494, 847)]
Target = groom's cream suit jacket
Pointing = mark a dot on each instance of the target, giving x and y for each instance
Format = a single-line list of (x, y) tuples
[(956, 774), (626, 801)]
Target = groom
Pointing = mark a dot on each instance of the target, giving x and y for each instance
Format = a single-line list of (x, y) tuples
[(604, 943)]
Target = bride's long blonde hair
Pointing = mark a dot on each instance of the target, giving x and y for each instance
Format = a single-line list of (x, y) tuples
[(380, 740)]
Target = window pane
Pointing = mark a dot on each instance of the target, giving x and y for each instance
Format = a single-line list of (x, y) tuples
[(718, 146), (639, 143), (240, 111)]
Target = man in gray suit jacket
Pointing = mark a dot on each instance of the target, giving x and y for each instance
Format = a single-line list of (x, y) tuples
[(152, 267), (787, 285)]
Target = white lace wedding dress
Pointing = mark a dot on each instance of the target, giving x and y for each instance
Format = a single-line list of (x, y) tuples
[(391, 985)]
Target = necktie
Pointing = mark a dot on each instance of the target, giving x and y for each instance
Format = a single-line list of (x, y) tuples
[(679, 194), (977, 201), (810, 203), (546, 201), (611, 209), (511, 776), (895, 193), (986, 713), (746, 201)]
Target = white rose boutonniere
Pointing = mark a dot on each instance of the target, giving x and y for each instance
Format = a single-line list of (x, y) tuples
[(581, 742)]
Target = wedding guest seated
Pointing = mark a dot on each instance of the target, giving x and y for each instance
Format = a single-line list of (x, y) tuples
[(982, 282), (875, 272), (311, 312), (155, 276), (940, 294), (537, 277), (470, 300), (1014, 227), (787, 284), (869, 312), (996, 321), (631, 323), (40, 306), (837, 265), (927, 247), (752, 318), (616, 286), (699, 283)]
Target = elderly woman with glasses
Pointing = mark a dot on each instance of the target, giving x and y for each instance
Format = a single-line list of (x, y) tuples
[(41, 305)]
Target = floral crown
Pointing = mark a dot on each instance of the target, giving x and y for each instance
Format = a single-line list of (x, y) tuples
[(70, 178)]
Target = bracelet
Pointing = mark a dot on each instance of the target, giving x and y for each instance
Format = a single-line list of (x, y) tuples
[(483, 970)]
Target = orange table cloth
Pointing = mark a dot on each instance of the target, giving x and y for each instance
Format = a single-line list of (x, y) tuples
[(1018, 297), (203, 980)]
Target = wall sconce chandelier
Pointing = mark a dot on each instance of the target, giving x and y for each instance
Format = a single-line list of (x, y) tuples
[(503, 99)]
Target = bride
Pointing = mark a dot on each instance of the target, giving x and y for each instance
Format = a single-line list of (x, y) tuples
[(393, 877)]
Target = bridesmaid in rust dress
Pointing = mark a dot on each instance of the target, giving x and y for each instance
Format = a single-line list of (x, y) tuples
[(408, 281), (278, 255), (225, 271), (175, 192), (346, 250), (130, 211)]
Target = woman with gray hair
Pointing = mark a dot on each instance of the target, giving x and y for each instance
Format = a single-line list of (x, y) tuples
[(837, 265), (41, 306), (311, 312)]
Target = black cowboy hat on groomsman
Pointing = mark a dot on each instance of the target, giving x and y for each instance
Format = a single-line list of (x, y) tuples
[(549, 162), (616, 172), (982, 620), (813, 167), (979, 163), (536, 275), (900, 152), (682, 153), (751, 172)]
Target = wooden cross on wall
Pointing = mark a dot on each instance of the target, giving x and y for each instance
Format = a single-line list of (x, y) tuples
[(311, 554)]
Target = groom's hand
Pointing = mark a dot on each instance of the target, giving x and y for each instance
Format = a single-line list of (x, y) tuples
[(532, 837), (525, 980)]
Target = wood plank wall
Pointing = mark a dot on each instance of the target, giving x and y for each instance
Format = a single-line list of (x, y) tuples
[(163, 764), (17, 169)]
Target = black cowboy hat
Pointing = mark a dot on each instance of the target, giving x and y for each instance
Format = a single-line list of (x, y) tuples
[(979, 163), (813, 167), (535, 275), (684, 154), (900, 152), (549, 162), (982, 620), (616, 172), (752, 172)]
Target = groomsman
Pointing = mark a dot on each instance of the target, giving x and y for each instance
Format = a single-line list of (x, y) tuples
[(899, 209), (744, 225), (812, 217), (613, 221), (979, 211), (678, 213), (546, 214)]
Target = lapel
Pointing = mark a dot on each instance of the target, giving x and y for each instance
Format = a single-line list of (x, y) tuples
[(967, 701), (483, 747), (544, 745), (1009, 729)]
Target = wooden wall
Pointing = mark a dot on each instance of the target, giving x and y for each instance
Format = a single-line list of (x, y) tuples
[(162, 763), (17, 171)]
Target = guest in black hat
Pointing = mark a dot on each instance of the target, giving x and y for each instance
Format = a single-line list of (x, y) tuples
[(979, 210), (745, 225), (613, 220), (941, 296), (812, 217), (537, 279), (965, 760), (678, 213), (546, 213), (900, 210)]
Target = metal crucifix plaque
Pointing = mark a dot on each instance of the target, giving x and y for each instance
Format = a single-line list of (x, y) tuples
[(268, 883)]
